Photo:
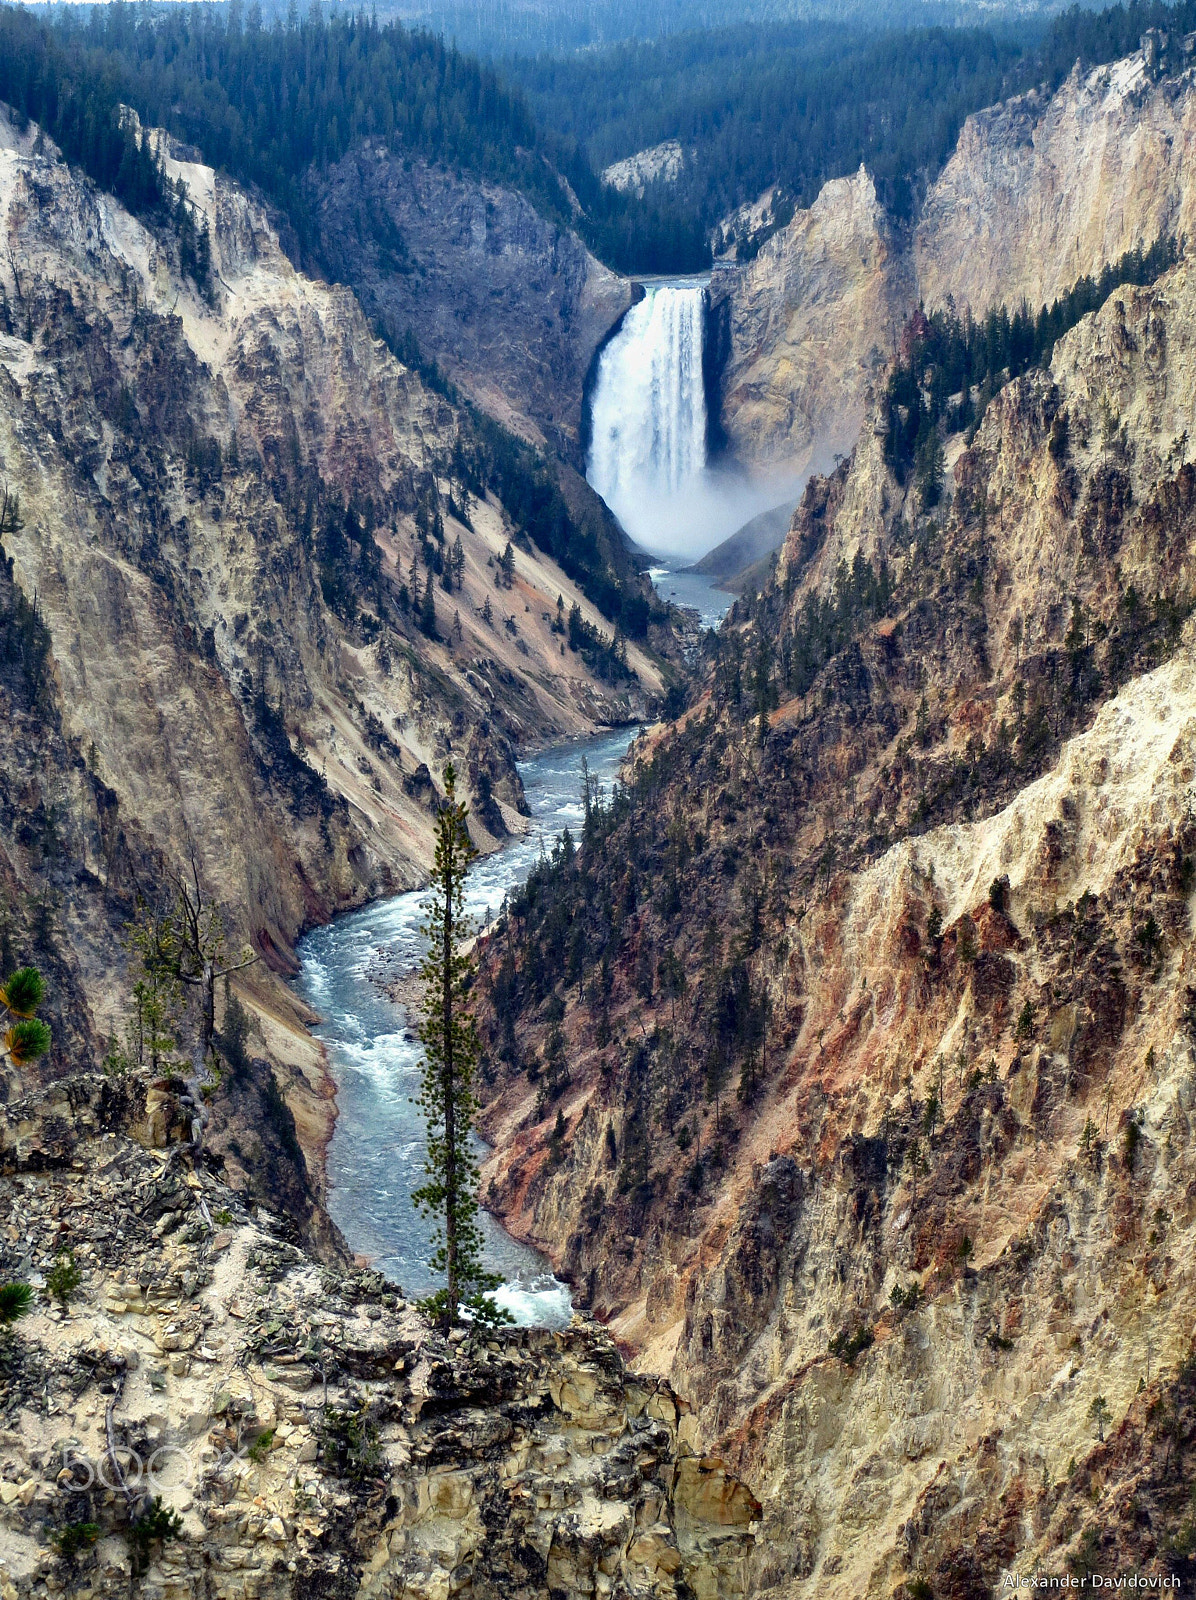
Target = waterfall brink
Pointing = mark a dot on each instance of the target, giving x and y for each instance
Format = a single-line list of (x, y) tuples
[(648, 415)]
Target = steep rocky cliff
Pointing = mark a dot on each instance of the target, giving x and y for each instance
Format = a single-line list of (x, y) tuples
[(1042, 190), (1039, 192), (808, 323), (852, 1071), (511, 307), (213, 658), (303, 1426)]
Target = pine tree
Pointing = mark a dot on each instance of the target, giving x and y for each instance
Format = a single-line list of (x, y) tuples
[(427, 611), (26, 1037), (447, 1099)]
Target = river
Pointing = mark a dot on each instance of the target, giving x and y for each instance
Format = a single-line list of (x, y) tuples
[(376, 1157)]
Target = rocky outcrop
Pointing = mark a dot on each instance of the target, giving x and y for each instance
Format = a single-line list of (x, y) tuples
[(811, 321), (744, 557), (511, 307), (305, 1428), (1039, 191), (661, 163), (871, 1123), (1042, 190)]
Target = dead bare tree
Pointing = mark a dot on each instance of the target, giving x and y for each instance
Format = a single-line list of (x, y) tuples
[(201, 948)]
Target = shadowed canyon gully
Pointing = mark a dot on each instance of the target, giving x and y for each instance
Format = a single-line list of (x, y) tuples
[(847, 1068)]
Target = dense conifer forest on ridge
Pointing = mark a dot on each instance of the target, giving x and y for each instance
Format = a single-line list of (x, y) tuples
[(785, 104)]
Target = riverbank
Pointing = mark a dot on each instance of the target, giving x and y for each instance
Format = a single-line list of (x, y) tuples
[(359, 983), (357, 974)]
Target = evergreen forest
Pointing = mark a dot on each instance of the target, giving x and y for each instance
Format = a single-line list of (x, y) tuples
[(777, 103), (951, 365)]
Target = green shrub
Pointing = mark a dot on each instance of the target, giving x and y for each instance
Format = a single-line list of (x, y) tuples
[(1086, 1554), (74, 1538), (16, 1299), (848, 1346), (63, 1278), (1130, 1140), (905, 1299), (349, 1446), (155, 1526), (24, 992), (27, 1040)]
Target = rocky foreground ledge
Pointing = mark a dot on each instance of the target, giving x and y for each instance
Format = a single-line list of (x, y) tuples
[(311, 1433)]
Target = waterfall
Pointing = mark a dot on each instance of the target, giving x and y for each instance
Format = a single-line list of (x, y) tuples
[(648, 413)]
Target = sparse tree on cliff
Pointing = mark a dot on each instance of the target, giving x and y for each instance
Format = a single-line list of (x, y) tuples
[(200, 951), (447, 1099), (427, 610), (1100, 1414), (152, 1034)]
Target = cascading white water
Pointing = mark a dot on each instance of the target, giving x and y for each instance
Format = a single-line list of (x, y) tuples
[(648, 412), (647, 456)]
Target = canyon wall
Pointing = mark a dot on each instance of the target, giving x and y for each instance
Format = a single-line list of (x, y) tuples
[(811, 321), (869, 1116), (217, 504), (512, 308), (1039, 192)]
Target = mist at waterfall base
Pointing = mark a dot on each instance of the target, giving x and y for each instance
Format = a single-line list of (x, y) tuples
[(648, 433)]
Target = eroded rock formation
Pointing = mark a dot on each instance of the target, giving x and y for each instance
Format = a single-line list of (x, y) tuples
[(213, 662), (510, 306), (1039, 192), (810, 322), (309, 1432)]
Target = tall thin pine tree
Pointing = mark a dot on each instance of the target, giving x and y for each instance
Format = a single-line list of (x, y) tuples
[(447, 1099)]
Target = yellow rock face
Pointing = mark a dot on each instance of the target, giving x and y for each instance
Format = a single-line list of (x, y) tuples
[(1038, 192)]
